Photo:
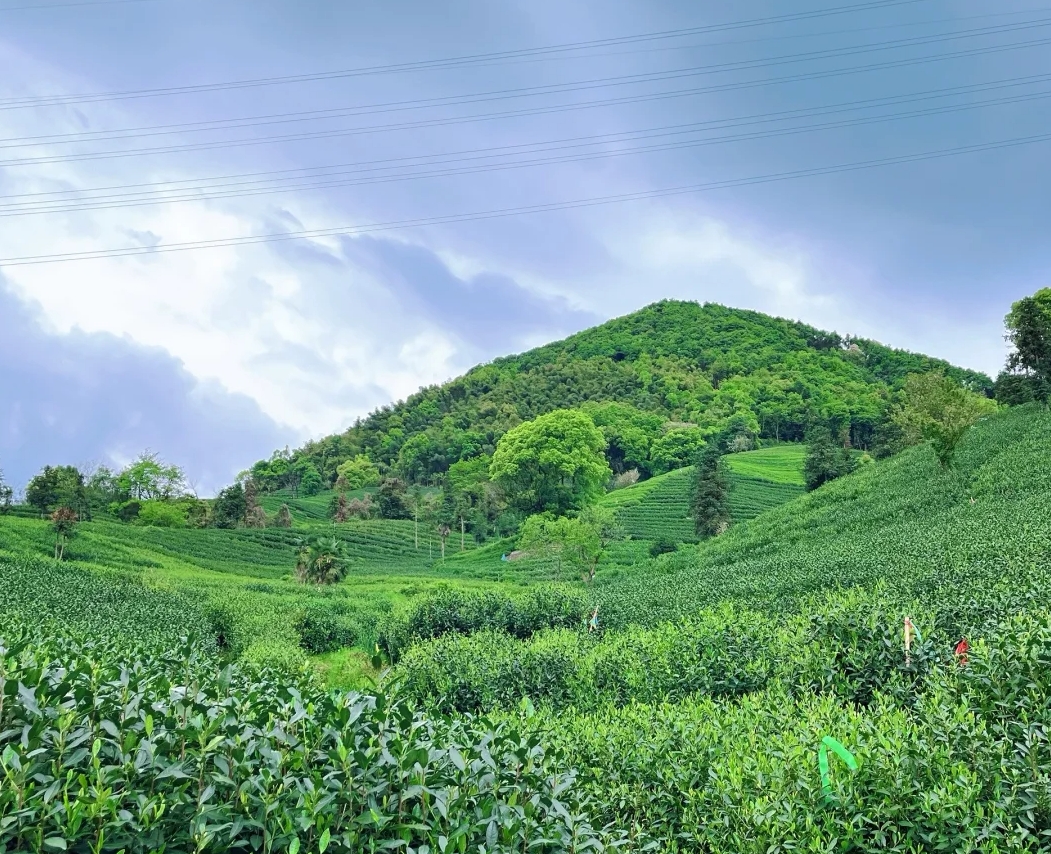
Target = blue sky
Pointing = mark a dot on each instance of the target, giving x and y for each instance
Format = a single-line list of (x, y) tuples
[(214, 357)]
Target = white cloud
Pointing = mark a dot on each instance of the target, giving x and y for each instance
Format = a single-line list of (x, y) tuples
[(310, 340)]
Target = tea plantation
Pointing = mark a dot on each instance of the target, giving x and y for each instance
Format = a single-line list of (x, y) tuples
[(658, 508), (157, 693)]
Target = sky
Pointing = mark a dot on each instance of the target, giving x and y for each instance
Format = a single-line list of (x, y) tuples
[(877, 168)]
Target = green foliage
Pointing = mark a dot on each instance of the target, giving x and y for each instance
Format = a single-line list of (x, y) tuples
[(778, 464), (936, 409), (732, 373), (357, 473), (675, 449), (392, 499), (658, 508), (826, 459), (230, 507), (163, 514), (311, 482), (629, 433), (554, 464), (115, 606), (1029, 332), (324, 629), (322, 560), (663, 546), (709, 488), (148, 478), (451, 611), (178, 754), (55, 487)]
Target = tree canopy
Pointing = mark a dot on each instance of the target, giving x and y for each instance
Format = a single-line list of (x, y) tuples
[(933, 408), (724, 372), (1028, 327), (554, 463)]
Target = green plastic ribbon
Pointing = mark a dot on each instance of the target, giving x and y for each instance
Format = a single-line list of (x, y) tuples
[(822, 762)]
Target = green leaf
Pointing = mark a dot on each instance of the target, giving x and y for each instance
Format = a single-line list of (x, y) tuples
[(323, 842)]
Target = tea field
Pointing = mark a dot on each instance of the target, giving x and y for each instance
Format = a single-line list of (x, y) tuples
[(658, 508), (156, 693)]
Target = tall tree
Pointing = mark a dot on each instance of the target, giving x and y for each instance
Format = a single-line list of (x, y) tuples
[(555, 463), (357, 473), (709, 493), (1029, 332), (230, 507), (54, 487), (391, 499), (826, 459), (934, 408), (149, 478)]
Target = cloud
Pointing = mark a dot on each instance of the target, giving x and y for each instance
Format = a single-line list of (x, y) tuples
[(80, 396), (489, 312)]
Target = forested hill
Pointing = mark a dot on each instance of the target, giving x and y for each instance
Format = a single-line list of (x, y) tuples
[(667, 373)]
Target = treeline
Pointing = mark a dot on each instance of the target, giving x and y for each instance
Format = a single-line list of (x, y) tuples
[(148, 491), (657, 383)]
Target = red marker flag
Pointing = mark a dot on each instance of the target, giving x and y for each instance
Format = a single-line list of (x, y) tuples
[(961, 652)]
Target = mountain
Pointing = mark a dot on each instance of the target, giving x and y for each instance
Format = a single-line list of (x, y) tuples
[(671, 364)]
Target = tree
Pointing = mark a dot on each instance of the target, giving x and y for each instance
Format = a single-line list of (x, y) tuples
[(675, 449), (826, 459), (580, 541), (555, 463), (322, 560), (391, 499), (310, 480), (54, 487), (230, 507), (148, 478), (1029, 332), (338, 508), (357, 473), (162, 514), (934, 408), (284, 517), (709, 494), (64, 526)]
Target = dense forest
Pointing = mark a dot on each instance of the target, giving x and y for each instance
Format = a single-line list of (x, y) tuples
[(658, 383)]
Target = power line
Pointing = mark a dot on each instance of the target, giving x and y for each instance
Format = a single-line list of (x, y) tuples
[(219, 191), (337, 132), (753, 118), (519, 211), (428, 65), (528, 91)]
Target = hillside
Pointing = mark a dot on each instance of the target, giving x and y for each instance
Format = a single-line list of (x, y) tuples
[(658, 508), (672, 363), (697, 710)]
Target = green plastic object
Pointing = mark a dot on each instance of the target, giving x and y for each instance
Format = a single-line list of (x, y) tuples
[(822, 762)]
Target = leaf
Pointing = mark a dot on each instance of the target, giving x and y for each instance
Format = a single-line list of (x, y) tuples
[(56, 842), (323, 842), (293, 848)]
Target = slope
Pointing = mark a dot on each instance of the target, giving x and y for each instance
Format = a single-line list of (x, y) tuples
[(658, 508), (681, 362)]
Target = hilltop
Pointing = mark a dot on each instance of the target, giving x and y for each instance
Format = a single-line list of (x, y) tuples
[(670, 365)]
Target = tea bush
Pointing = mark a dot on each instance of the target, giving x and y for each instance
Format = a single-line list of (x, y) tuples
[(454, 611), (105, 751)]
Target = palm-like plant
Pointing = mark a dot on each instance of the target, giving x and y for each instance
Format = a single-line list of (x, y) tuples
[(322, 561)]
